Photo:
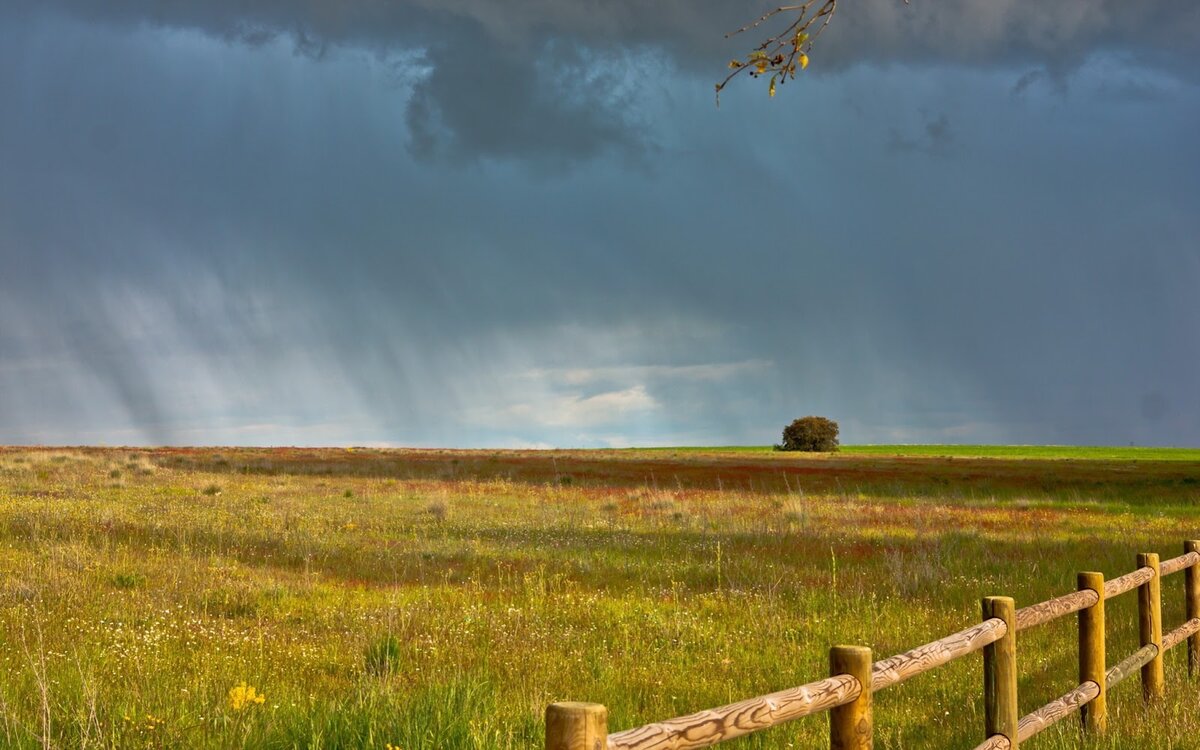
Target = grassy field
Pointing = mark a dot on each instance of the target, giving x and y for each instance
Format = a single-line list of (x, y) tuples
[(1088, 452), (440, 599)]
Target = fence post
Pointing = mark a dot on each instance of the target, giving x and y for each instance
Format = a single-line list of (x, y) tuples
[(1091, 653), (1000, 672), (851, 726), (576, 726), (1191, 583), (1150, 626)]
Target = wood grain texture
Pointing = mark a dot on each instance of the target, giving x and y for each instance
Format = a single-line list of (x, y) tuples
[(1150, 626), (1043, 612), (898, 668), (1056, 710), (1091, 652), (576, 726), (1191, 588), (995, 742), (706, 728), (715, 725), (1179, 634), (1127, 582), (851, 725), (709, 727), (1000, 673), (1130, 664), (1182, 562), (1185, 561)]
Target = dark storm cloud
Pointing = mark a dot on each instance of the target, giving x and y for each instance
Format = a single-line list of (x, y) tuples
[(960, 30), (1028, 79), (526, 111), (507, 80), (936, 136), (213, 229)]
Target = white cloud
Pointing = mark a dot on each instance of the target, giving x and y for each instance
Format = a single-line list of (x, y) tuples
[(707, 372), (574, 410)]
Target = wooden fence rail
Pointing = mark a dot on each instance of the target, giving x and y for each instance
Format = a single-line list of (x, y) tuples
[(847, 693)]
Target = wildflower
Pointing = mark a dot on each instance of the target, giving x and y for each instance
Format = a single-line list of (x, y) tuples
[(243, 695)]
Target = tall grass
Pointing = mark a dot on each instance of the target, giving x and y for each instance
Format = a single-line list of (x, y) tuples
[(407, 600)]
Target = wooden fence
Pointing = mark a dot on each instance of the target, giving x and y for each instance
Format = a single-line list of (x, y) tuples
[(846, 693)]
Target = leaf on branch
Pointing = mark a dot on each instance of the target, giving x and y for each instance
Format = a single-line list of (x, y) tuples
[(780, 53)]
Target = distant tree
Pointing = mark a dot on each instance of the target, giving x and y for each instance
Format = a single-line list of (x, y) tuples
[(812, 434)]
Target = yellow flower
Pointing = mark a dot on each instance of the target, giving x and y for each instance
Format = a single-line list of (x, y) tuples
[(243, 695)]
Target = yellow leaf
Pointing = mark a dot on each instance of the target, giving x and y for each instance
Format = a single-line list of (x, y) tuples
[(771, 90), (803, 61)]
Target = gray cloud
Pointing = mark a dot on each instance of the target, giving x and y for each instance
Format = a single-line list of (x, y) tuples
[(962, 30), (936, 136), (1027, 79), (555, 107), (547, 76), (214, 242)]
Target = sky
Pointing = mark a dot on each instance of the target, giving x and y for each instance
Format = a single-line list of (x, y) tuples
[(468, 223)]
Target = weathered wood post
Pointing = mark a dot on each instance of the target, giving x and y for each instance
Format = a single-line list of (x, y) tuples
[(1150, 626), (1000, 672), (1091, 653), (576, 726), (851, 726), (1191, 583)]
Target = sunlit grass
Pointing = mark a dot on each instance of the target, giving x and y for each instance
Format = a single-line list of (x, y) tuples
[(1085, 452), (1080, 452), (442, 599)]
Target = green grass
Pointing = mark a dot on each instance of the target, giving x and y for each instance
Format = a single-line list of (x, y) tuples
[(1089, 453), (1075, 452), (440, 599)]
